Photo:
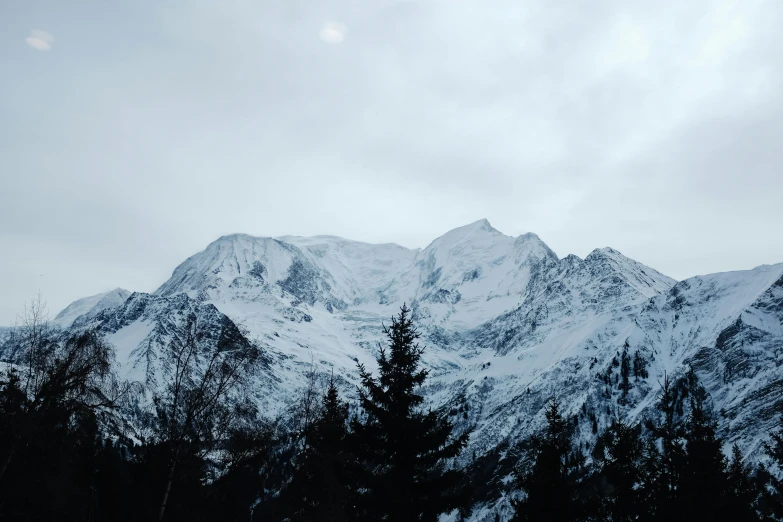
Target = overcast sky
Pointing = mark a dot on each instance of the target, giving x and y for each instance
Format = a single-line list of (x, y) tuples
[(133, 132)]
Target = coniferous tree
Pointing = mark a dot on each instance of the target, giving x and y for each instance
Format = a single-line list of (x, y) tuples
[(625, 372), (319, 489), (248, 462), (402, 450), (550, 486), (639, 366), (704, 485), (622, 472), (773, 493), (649, 480), (742, 495), (663, 493)]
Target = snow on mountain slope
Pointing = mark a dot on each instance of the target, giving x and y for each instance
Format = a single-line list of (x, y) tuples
[(89, 307), (641, 278), (247, 268), (146, 328), (571, 296), (696, 310), (362, 268), (505, 322), (729, 328), (474, 273), (578, 342)]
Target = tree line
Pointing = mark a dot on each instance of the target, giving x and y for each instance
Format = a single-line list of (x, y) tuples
[(78, 443), (668, 469)]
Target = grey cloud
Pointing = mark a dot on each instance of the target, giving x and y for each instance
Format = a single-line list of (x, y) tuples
[(151, 129)]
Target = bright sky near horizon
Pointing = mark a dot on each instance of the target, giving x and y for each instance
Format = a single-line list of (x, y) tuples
[(135, 132)]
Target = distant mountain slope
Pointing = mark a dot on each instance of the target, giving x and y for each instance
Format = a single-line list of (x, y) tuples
[(5, 331), (88, 307)]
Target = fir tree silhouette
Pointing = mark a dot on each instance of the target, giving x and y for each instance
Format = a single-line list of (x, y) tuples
[(403, 451)]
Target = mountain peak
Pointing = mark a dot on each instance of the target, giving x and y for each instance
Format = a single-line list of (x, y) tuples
[(646, 280), (602, 252), (90, 306), (234, 239), (482, 224), (466, 233), (530, 244)]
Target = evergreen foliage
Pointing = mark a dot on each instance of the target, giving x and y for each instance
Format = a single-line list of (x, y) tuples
[(668, 463), (639, 366), (403, 451), (320, 488), (551, 485), (625, 372), (742, 496), (622, 472), (773, 491), (704, 484)]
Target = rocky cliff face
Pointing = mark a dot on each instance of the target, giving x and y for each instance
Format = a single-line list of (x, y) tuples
[(505, 322)]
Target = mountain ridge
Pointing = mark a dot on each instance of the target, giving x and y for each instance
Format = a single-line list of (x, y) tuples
[(506, 324)]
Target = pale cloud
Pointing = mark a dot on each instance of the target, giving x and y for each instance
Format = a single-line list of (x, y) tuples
[(332, 32), (652, 128), (40, 40)]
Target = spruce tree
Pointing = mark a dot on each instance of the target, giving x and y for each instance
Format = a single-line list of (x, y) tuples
[(663, 492), (773, 494), (639, 366), (622, 472), (402, 450), (704, 485), (741, 501), (650, 480), (319, 488), (550, 487), (625, 372)]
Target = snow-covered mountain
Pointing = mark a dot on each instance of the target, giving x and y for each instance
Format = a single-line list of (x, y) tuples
[(86, 308), (505, 322)]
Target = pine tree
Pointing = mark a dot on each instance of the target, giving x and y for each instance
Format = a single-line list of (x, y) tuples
[(704, 485), (403, 451), (639, 366), (741, 500), (663, 492), (649, 480), (773, 494), (622, 471), (319, 489), (625, 372), (550, 487)]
